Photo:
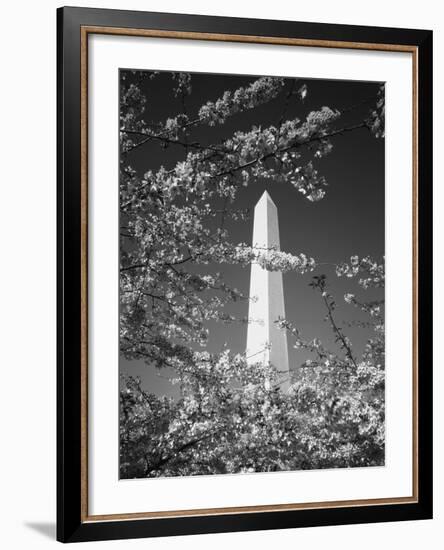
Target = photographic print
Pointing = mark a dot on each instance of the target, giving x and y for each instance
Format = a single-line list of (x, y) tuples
[(231, 194), (251, 274)]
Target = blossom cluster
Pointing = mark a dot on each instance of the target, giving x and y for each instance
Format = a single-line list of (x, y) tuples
[(376, 121), (372, 273), (183, 84), (260, 91)]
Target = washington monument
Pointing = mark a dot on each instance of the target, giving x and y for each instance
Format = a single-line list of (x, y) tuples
[(266, 342)]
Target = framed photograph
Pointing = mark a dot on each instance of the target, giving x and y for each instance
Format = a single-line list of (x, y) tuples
[(244, 274)]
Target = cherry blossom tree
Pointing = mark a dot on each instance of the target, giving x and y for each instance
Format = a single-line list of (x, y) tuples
[(226, 420)]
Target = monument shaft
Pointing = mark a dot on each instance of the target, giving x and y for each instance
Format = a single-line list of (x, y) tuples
[(266, 342)]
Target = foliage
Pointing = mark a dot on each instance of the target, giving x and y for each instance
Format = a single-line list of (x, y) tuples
[(226, 421)]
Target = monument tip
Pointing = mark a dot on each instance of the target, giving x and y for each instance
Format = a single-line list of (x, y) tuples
[(266, 197)]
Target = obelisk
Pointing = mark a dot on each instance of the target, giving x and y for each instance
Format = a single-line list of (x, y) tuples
[(266, 342)]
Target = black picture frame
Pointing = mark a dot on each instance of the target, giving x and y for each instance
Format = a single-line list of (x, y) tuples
[(72, 524)]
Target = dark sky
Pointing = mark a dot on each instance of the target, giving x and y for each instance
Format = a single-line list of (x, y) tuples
[(348, 220)]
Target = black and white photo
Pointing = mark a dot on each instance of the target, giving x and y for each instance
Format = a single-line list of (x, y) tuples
[(252, 223)]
